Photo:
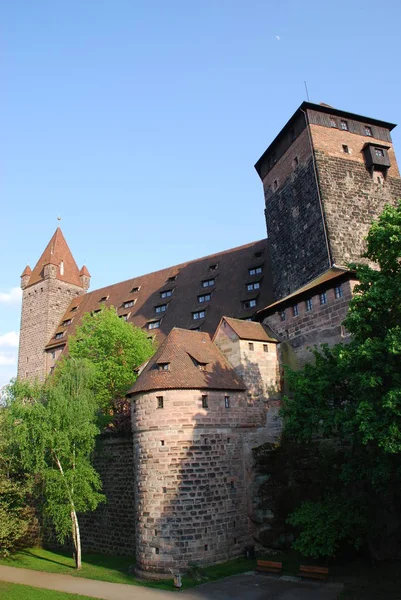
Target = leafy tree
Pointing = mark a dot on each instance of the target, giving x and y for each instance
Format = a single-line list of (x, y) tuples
[(352, 395), (115, 348), (14, 517), (53, 431)]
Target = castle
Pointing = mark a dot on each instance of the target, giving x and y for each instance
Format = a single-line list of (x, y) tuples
[(226, 324)]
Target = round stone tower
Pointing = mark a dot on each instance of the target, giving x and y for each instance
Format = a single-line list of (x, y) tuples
[(189, 413)]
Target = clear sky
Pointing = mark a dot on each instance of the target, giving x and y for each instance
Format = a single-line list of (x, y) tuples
[(140, 122)]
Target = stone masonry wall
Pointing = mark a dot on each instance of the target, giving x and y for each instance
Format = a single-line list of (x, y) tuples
[(352, 196), (110, 529), (295, 228), (191, 496), (256, 362), (43, 305), (321, 325)]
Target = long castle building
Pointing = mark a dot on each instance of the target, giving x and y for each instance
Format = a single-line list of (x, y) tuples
[(211, 391)]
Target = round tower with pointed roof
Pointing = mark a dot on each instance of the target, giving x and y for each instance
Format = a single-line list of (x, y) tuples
[(47, 291)]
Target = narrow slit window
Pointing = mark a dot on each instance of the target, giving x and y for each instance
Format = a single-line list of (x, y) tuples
[(160, 401), (309, 305), (205, 403), (227, 401), (295, 310)]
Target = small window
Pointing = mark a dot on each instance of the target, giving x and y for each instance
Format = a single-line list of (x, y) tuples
[(333, 122), (265, 348), (249, 303), (164, 366), (227, 401), (157, 551), (202, 366), (250, 346), (379, 152), (213, 267), (166, 294), (338, 292), (258, 254), (66, 322), (344, 125), (323, 298), (368, 131), (160, 401), (295, 310), (96, 311), (103, 299), (206, 547), (154, 325), (232, 485), (309, 304), (204, 298), (161, 308), (172, 278), (282, 315), (207, 283), (164, 490), (74, 308), (275, 185), (129, 303), (255, 270), (200, 314), (345, 149), (205, 402), (161, 444), (59, 335), (125, 316), (135, 290), (253, 286)]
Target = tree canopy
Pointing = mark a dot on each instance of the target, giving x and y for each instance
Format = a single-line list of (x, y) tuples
[(53, 431), (115, 348), (351, 395)]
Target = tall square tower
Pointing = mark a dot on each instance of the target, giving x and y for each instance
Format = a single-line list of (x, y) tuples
[(326, 177)]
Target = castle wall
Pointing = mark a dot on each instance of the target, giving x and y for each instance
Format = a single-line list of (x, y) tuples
[(110, 529), (294, 221), (256, 362), (43, 305), (321, 325), (352, 196), (191, 496)]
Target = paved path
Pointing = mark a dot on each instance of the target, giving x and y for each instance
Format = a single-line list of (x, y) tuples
[(248, 586)]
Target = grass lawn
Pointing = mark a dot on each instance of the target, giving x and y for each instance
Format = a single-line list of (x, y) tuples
[(114, 569), (14, 591)]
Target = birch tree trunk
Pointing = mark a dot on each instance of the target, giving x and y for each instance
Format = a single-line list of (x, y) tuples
[(77, 539)]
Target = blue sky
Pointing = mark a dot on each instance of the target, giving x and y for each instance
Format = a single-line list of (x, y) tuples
[(140, 122)]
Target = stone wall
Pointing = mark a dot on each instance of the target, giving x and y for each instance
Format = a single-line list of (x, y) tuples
[(43, 305), (321, 325), (111, 528), (192, 494)]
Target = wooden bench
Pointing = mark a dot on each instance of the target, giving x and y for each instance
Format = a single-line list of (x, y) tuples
[(269, 566), (313, 572)]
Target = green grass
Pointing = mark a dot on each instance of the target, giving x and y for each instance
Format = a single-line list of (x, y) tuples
[(14, 591), (115, 569)]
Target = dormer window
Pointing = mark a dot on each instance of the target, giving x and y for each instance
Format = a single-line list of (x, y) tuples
[(59, 335), (258, 254), (368, 131), (163, 366), (135, 290), (202, 366), (166, 294), (74, 308), (154, 325), (344, 125), (125, 316), (333, 122), (253, 286), (161, 308), (255, 270), (62, 268), (208, 283), (199, 314), (204, 298), (103, 299), (129, 303), (67, 322), (213, 267), (249, 303), (172, 278)]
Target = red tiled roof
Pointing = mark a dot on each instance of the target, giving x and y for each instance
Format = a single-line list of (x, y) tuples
[(26, 271), (250, 330), (227, 295), (84, 271), (57, 251), (178, 350)]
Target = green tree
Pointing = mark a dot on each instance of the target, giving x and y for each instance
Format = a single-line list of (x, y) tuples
[(351, 394), (115, 348), (14, 514), (53, 429)]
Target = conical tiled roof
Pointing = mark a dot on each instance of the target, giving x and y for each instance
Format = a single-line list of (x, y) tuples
[(55, 253), (26, 271), (194, 362), (84, 271)]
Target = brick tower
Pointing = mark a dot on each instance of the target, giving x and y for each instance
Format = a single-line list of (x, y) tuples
[(326, 177), (47, 292)]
